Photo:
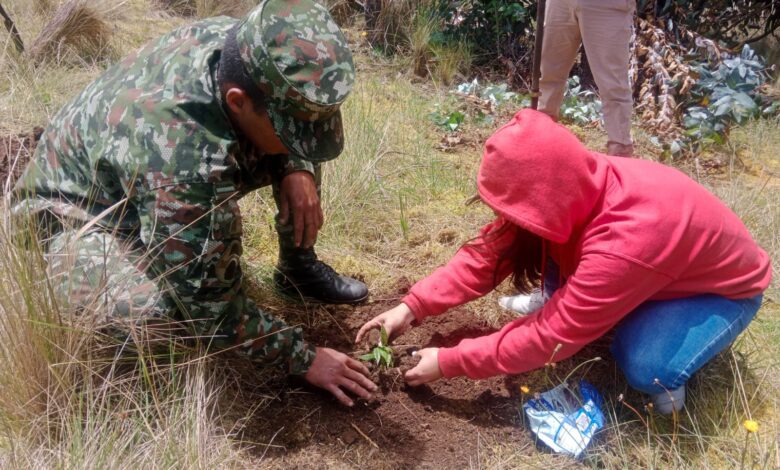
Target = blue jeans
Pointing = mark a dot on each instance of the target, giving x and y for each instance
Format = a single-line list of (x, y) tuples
[(662, 343)]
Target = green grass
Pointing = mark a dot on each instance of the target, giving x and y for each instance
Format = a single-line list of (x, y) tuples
[(394, 210)]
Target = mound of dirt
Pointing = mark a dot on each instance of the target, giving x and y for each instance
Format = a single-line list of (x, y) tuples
[(15, 151), (442, 425)]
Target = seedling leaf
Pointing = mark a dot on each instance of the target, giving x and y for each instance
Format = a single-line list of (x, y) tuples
[(386, 356), (382, 354)]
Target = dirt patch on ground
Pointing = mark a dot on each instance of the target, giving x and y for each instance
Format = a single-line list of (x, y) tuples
[(444, 425), (15, 151), (429, 426)]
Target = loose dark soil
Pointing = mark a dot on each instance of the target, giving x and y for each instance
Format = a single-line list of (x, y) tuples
[(442, 425), (429, 426), (15, 151)]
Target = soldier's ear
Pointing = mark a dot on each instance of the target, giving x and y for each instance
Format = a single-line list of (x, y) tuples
[(237, 100)]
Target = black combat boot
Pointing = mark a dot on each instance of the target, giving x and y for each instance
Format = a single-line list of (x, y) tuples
[(301, 275)]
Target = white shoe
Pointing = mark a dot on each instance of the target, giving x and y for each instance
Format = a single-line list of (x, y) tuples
[(669, 401), (524, 304)]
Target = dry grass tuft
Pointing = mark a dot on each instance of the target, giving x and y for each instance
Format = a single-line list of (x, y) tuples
[(206, 8), (15, 151), (343, 11), (76, 28), (409, 29), (70, 399), (387, 22), (451, 62), (186, 8), (76, 395), (43, 7)]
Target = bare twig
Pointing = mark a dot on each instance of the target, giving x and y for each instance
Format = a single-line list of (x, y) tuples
[(537, 54), (410, 411), (270, 443), (309, 414), (11, 27), (364, 435)]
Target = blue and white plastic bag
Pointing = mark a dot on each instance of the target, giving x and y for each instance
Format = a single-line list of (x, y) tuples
[(565, 421)]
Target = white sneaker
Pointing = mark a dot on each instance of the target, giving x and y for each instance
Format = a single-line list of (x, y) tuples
[(667, 402), (524, 304)]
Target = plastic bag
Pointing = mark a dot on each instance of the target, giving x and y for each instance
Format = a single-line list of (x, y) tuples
[(565, 421)]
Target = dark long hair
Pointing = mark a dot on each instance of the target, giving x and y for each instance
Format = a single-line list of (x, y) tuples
[(526, 251)]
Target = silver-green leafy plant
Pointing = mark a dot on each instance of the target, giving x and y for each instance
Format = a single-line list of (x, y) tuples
[(580, 105)]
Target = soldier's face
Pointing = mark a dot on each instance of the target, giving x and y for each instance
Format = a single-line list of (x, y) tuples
[(254, 124)]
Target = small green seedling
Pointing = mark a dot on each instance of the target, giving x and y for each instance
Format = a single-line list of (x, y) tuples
[(382, 354)]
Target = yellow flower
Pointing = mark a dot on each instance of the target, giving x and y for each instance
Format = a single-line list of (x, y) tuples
[(364, 34), (525, 389), (750, 425)]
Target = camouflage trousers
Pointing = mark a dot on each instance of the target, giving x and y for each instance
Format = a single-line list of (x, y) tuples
[(97, 275), (108, 282), (100, 276)]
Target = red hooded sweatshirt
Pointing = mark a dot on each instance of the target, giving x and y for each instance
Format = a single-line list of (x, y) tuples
[(623, 231)]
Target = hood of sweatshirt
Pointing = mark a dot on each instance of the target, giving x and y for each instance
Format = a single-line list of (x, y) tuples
[(537, 175)]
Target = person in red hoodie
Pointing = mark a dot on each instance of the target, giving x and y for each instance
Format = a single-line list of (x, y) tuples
[(635, 245)]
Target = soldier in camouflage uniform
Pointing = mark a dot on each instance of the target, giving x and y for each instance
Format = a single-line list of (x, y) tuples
[(136, 182)]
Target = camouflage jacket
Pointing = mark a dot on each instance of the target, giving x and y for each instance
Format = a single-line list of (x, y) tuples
[(148, 150)]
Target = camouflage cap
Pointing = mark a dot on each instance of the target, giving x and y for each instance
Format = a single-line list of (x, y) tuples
[(299, 58)]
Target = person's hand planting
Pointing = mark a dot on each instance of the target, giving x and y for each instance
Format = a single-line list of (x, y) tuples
[(396, 321), (427, 370)]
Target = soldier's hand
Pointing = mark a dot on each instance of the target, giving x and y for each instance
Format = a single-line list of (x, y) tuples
[(299, 199), (337, 372)]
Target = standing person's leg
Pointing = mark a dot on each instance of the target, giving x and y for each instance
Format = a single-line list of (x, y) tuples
[(301, 274), (606, 27), (661, 344), (559, 49)]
